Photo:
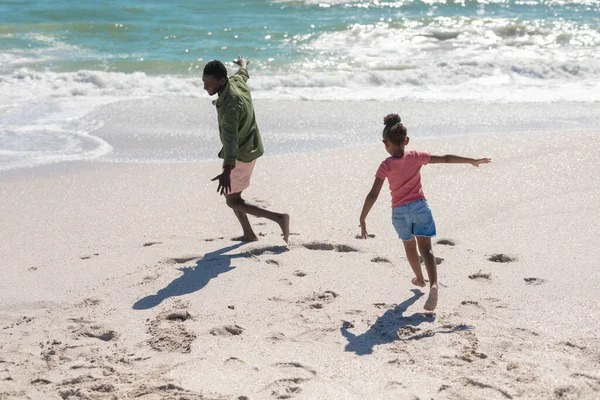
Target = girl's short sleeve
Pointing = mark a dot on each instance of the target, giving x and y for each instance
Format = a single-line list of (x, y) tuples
[(424, 157), (382, 171)]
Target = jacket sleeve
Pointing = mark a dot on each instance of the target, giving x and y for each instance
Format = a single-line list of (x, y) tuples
[(229, 132), (242, 75)]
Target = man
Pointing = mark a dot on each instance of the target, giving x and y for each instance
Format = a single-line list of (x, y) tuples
[(241, 141)]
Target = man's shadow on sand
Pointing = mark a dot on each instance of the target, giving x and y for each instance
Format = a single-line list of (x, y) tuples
[(194, 278), (385, 329)]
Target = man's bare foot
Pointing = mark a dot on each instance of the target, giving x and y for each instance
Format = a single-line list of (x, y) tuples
[(244, 238), (285, 227), (417, 282), (432, 300)]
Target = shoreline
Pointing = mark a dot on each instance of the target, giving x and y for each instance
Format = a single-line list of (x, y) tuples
[(174, 129)]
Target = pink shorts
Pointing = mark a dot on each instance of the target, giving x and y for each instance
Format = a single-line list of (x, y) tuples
[(240, 176)]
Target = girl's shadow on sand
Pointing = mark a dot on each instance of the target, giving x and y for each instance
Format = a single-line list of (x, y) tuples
[(385, 329), (194, 278)]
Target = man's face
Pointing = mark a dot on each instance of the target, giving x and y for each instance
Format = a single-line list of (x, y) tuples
[(212, 85)]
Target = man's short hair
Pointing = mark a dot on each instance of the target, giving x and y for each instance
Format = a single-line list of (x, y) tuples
[(216, 69)]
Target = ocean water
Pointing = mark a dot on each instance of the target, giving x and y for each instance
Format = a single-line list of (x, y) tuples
[(62, 59)]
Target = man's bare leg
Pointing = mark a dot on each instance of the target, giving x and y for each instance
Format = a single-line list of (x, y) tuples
[(249, 235), (410, 246), (240, 206), (424, 244)]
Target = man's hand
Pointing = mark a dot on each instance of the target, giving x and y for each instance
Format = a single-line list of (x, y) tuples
[(241, 61), (224, 181)]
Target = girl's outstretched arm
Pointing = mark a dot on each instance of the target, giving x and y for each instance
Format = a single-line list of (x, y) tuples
[(369, 201), (452, 159)]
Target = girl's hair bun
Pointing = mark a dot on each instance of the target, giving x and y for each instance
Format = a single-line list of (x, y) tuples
[(391, 120)]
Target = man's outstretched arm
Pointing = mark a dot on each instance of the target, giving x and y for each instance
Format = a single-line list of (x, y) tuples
[(242, 62), (243, 71)]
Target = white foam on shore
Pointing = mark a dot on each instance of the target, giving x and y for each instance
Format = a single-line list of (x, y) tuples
[(37, 132)]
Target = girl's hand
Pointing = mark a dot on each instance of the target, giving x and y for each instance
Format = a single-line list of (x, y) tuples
[(476, 163), (363, 230)]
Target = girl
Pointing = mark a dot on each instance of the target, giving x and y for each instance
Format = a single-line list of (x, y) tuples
[(411, 215)]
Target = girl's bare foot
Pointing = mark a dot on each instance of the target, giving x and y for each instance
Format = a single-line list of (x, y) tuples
[(285, 227), (432, 300), (417, 282), (244, 238)]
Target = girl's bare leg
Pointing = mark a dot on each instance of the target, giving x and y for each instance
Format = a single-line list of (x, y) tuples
[(410, 246), (424, 244)]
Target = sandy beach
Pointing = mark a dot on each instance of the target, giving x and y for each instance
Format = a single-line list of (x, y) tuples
[(120, 281)]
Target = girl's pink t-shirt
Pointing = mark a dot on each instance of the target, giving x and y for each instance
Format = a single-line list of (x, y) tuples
[(404, 176)]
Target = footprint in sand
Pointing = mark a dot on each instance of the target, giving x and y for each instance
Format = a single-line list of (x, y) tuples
[(89, 256), (481, 276), (276, 337), (296, 365), (482, 385), (97, 332), (327, 296), (148, 244), (227, 330), (534, 281), (85, 328), (150, 278), (594, 381), (501, 258), (182, 259), (273, 262), (89, 302), (342, 248), (471, 308), (264, 203), (496, 303), (385, 306), (286, 388), (471, 303), (566, 392), (573, 345), (168, 332), (213, 239), (40, 381), (408, 330), (528, 331), (354, 312), (380, 260), (317, 300), (234, 360), (446, 242), (299, 274), (268, 250)]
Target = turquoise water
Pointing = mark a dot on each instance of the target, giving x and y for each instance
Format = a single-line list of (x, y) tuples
[(61, 60), (175, 37)]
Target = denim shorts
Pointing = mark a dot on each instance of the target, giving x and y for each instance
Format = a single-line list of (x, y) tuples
[(413, 219)]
